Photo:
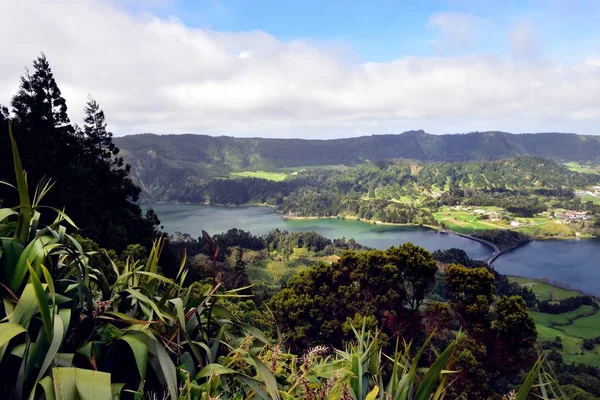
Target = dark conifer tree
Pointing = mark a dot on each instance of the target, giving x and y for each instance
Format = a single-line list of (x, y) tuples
[(98, 140), (92, 184)]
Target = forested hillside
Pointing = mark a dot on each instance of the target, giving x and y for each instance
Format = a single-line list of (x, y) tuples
[(158, 159)]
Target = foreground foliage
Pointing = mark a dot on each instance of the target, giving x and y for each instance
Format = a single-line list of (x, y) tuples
[(68, 331)]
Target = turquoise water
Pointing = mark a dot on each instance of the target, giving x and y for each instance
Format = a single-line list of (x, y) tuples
[(575, 262), (193, 218)]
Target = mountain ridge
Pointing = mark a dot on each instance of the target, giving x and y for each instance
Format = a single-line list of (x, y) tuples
[(418, 145), (161, 160)]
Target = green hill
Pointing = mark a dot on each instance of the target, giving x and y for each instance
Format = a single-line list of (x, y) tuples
[(159, 162)]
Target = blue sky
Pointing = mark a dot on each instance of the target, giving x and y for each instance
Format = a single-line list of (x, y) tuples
[(315, 69), (383, 30)]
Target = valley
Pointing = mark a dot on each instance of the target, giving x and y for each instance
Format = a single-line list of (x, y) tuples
[(566, 331), (299, 200), (572, 262)]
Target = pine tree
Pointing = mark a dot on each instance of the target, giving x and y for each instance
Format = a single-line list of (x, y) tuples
[(97, 139), (82, 163), (39, 101), (41, 113)]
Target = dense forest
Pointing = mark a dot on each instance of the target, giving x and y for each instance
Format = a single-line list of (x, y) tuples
[(170, 166), (400, 191), (98, 304), (218, 156), (386, 180)]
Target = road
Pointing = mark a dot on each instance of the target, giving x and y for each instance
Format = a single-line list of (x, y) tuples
[(492, 257)]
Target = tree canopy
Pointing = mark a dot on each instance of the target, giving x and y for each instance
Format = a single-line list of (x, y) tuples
[(89, 179), (320, 305)]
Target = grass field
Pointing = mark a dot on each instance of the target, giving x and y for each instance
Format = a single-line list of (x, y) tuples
[(561, 319), (572, 335), (593, 199), (544, 291), (464, 221), (583, 168), (332, 167), (271, 176)]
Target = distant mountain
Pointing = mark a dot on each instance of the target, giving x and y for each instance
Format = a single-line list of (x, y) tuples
[(158, 161)]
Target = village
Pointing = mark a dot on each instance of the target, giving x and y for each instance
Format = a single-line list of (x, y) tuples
[(554, 223)]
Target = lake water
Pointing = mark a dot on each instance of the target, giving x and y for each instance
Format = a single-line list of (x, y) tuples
[(193, 218), (575, 262)]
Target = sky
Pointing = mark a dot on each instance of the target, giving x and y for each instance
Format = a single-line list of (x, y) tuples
[(314, 69)]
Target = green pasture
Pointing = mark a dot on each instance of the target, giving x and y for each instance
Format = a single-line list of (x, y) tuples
[(587, 197), (544, 291), (559, 321), (463, 221), (583, 168), (332, 167), (271, 176), (549, 326)]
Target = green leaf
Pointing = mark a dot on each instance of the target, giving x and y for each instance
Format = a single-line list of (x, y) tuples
[(432, 375), (48, 385), (42, 301), (25, 213), (530, 378), (34, 254), (116, 389), (6, 212), (217, 369), (11, 252), (140, 353), (161, 362), (50, 283), (9, 330), (62, 216), (267, 377), (254, 385), (65, 386), (57, 340), (251, 330), (178, 303), (25, 308), (81, 384), (144, 299)]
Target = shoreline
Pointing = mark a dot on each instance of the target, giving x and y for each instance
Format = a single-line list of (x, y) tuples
[(376, 222), (355, 218)]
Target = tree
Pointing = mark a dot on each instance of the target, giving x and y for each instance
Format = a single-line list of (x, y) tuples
[(320, 304), (471, 295), (88, 184), (41, 113), (97, 139), (418, 272), (505, 349), (516, 335)]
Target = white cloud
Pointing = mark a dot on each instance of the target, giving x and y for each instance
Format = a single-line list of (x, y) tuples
[(245, 54), (158, 75), (586, 114), (523, 41), (459, 31)]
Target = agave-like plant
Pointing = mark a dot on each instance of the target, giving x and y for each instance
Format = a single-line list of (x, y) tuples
[(66, 332), (38, 266)]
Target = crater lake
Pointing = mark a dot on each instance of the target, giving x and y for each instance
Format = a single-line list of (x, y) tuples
[(573, 262)]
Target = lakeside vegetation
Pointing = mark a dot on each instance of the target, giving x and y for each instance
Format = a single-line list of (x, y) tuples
[(106, 306), (533, 196)]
